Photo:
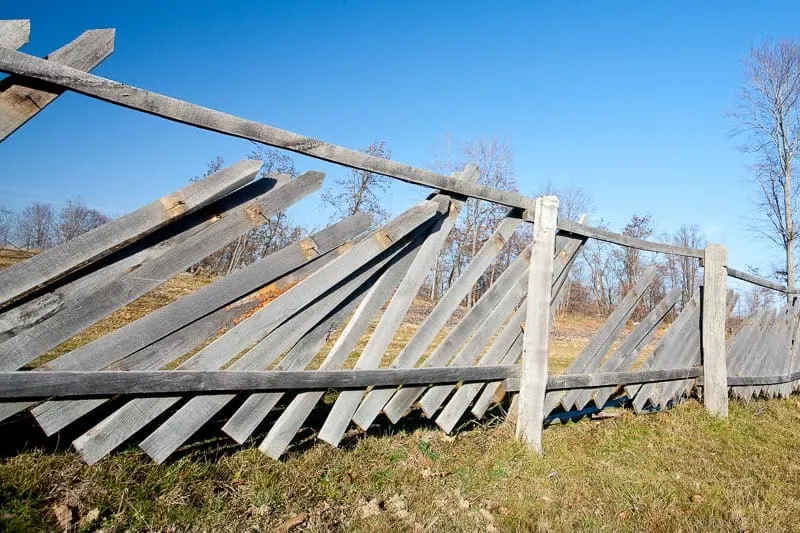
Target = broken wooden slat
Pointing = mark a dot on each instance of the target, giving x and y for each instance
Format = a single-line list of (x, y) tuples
[(14, 33), (21, 100), (112, 294)]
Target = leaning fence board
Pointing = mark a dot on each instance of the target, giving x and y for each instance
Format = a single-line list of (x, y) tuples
[(21, 279), (116, 293), (300, 407), (191, 417), (256, 409), (112, 432), (20, 100), (625, 355), (591, 356), (516, 273), (14, 33), (756, 280), (490, 389), (511, 334), (409, 356), (281, 270)]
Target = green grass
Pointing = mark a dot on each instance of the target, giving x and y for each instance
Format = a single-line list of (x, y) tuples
[(679, 470)]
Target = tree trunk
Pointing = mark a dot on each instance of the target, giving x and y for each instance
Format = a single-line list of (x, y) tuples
[(790, 236)]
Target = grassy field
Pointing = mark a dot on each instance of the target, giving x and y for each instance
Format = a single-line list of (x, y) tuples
[(673, 471)]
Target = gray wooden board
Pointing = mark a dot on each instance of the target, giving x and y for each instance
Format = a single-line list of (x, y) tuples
[(347, 402), (625, 355), (687, 320), (161, 322), (592, 355), (14, 62), (757, 280), (743, 348), (248, 417), (55, 415), (632, 242), (22, 98), (300, 407), (184, 423), (115, 293), (452, 412), (14, 33), (516, 273), (489, 392), (257, 407), (374, 401), (113, 431), (567, 248), (483, 334)]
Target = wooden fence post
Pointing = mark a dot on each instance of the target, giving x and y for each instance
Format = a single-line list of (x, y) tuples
[(533, 378), (715, 374)]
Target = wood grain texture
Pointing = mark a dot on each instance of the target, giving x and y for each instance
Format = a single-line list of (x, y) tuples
[(22, 278), (22, 98), (715, 275), (533, 377), (14, 33), (756, 280), (631, 242)]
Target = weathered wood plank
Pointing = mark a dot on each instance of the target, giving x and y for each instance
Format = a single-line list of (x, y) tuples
[(21, 100), (28, 384), (409, 356), (347, 402), (715, 276), (256, 408), (632, 242), (14, 33), (279, 271), (533, 377), (591, 356), (14, 62), (483, 334), (625, 355), (756, 280), (505, 341), (489, 392), (112, 294), (23, 278), (516, 273)]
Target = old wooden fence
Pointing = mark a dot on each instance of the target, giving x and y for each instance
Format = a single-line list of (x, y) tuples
[(229, 348)]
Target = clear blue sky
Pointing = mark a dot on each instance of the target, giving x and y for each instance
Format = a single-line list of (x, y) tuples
[(625, 99)]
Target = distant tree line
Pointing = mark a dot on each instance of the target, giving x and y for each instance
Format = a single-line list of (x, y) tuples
[(40, 225)]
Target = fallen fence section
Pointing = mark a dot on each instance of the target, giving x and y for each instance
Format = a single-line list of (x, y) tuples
[(335, 311)]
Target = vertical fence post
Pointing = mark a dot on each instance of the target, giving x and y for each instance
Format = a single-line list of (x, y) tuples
[(533, 377), (715, 373)]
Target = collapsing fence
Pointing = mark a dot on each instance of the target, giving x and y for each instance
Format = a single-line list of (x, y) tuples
[(233, 347)]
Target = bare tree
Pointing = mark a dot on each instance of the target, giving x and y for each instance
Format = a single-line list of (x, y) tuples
[(572, 201), (684, 272), (360, 191), (768, 117), (36, 226), (7, 218), (75, 218)]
